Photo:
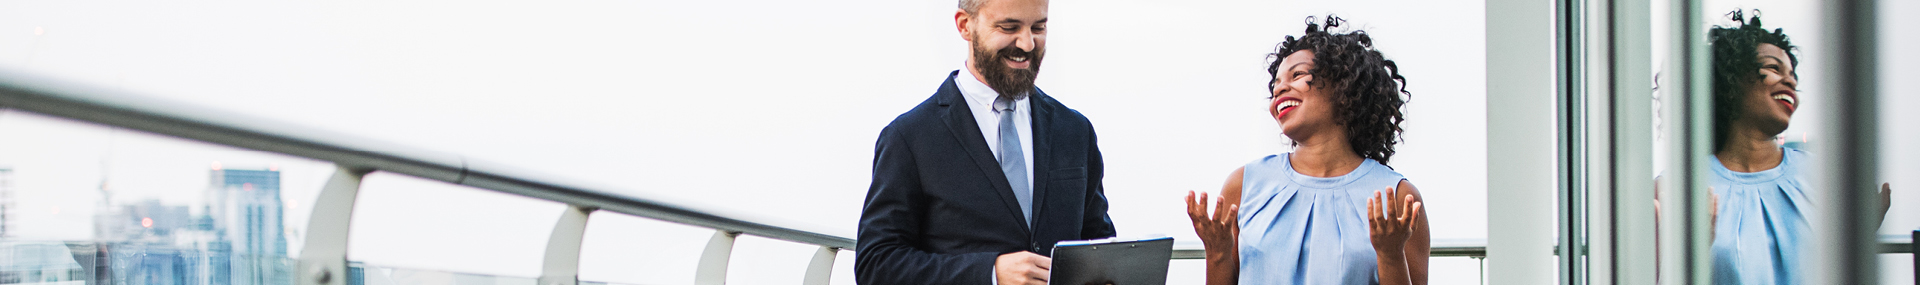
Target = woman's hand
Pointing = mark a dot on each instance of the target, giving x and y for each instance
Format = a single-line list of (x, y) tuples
[(1390, 230), (1220, 231), (1886, 201)]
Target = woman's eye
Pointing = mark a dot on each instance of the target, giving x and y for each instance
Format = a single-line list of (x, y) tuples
[(1299, 74)]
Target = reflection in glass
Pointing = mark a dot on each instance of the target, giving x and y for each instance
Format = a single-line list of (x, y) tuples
[(1762, 199), (1756, 183)]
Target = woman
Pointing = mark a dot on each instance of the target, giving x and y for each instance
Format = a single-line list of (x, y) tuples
[(1331, 211), (1759, 194)]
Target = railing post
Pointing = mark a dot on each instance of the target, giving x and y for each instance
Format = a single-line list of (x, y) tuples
[(820, 271), (713, 261), (323, 261), (562, 263)]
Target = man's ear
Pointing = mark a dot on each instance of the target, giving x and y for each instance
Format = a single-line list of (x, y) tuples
[(961, 21)]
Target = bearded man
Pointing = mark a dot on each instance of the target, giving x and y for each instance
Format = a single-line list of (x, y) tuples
[(975, 184)]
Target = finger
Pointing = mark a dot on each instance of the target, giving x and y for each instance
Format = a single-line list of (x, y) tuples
[(1224, 218), (1406, 208), (1233, 214), (1039, 276), (1192, 212), (1373, 211), (1235, 227), (1219, 209), (1203, 205), (1414, 221), (1395, 198), (1372, 207), (1042, 261)]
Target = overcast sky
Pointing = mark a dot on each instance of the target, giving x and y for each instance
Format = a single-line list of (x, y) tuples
[(768, 107)]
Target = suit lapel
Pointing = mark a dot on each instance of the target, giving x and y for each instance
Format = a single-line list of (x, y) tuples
[(960, 121), (1042, 149)]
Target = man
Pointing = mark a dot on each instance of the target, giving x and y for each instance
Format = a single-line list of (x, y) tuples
[(976, 184)]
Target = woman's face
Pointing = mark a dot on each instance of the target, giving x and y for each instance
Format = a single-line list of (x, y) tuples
[(1301, 109), (1770, 101)]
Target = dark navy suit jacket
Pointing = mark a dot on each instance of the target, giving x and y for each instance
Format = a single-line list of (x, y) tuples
[(939, 209)]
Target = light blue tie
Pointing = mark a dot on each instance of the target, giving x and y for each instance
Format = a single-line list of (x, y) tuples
[(1013, 161)]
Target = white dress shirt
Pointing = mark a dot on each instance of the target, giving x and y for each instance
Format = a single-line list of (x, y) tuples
[(980, 99)]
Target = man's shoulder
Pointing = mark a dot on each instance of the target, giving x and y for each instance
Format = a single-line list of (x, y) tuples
[(1060, 111), (927, 112)]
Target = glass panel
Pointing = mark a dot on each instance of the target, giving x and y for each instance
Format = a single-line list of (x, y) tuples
[(1899, 132), (85, 203), (1774, 152), (621, 248), (363, 274), (426, 224)]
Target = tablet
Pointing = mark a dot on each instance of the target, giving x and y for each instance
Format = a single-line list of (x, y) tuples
[(1131, 262)]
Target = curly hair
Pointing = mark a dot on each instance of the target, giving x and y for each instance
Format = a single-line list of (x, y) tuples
[(1365, 87), (1736, 65)]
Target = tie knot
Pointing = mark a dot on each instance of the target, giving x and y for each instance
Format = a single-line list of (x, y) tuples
[(1003, 104)]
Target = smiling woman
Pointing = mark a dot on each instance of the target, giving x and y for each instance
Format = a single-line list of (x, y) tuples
[(1338, 100), (1761, 198)]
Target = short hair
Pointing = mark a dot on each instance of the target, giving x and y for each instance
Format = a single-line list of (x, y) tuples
[(1736, 65), (971, 6), (1365, 86)]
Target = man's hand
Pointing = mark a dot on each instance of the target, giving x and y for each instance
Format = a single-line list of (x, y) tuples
[(1022, 268)]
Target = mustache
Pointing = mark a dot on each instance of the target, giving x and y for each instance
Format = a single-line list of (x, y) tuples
[(1014, 51)]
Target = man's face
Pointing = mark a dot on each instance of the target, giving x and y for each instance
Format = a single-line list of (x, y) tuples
[(1008, 39)]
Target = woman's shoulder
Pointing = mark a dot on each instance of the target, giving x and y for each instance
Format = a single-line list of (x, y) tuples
[(1380, 171), (1794, 154), (1271, 162)]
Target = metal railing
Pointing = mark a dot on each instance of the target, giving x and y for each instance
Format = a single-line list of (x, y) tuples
[(323, 258), (1475, 248)]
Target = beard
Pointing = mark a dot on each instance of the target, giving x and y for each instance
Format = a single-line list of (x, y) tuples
[(1012, 84)]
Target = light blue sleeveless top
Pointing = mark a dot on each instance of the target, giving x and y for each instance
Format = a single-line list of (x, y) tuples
[(1299, 229), (1761, 231)]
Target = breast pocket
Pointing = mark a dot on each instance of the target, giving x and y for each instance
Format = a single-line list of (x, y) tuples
[(1067, 183)]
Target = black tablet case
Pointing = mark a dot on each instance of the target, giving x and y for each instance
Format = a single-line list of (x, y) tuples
[(1122, 263)]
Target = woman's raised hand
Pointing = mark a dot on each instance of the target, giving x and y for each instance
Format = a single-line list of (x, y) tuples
[(1220, 231), (1390, 230)]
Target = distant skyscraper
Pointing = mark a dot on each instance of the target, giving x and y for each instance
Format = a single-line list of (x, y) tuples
[(245, 206)]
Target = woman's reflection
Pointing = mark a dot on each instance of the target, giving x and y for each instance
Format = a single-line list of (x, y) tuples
[(1760, 196)]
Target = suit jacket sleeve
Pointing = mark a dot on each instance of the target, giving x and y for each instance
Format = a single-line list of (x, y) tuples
[(1097, 223), (890, 228)]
